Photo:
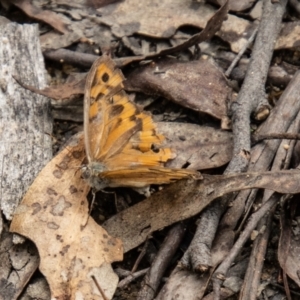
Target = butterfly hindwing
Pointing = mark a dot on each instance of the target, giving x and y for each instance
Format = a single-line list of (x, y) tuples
[(141, 177)]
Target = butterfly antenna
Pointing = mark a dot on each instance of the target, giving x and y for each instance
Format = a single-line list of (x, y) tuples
[(116, 204), (93, 201), (77, 168), (91, 206)]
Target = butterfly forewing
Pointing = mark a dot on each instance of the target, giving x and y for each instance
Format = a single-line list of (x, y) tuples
[(102, 83), (122, 146)]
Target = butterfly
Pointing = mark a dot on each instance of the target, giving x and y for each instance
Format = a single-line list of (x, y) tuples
[(123, 148)]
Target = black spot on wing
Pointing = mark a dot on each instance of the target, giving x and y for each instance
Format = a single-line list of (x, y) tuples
[(116, 110), (99, 96), (138, 123), (155, 149), (133, 118), (105, 77)]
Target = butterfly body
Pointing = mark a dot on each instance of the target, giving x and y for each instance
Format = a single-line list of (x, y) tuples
[(91, 173), (122, 146)]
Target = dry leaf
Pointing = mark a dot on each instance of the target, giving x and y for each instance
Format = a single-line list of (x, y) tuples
[(198, 85), (161, 19), (72, 247), (199, 147), (186, 198), (154, 18), (37, 13), (212, 26), (63, 93), (53, 40)]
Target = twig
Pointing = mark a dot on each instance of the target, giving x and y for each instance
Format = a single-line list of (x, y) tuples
[(242, 51), (99, 288), (249, 99), (252, 91), (273, 136), (253, 274), (161, 262), (131, 277), (199, 250), (140, 257), (71, 57), (263, 153), (84, 59), (254, 84), (222, 269), (257, 258), (282, 288)]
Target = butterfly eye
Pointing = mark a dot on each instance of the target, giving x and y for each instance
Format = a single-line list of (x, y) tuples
[(86, 173), (105, 77)]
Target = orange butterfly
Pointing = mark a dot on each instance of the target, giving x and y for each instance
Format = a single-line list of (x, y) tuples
[(121, 143)]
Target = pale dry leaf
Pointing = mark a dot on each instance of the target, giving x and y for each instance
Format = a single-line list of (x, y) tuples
[(256, 11), (289, 37), (72, 247)]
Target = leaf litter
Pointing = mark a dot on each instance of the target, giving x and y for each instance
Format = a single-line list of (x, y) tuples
[(33, 216)]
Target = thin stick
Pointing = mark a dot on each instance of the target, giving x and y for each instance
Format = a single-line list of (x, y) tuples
[(99, 288), (275, 136), (241, 52), (131, 277), (140, 257), (224, 266)]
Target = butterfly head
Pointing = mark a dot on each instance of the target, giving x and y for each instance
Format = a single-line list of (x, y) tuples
[(90, 174)]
